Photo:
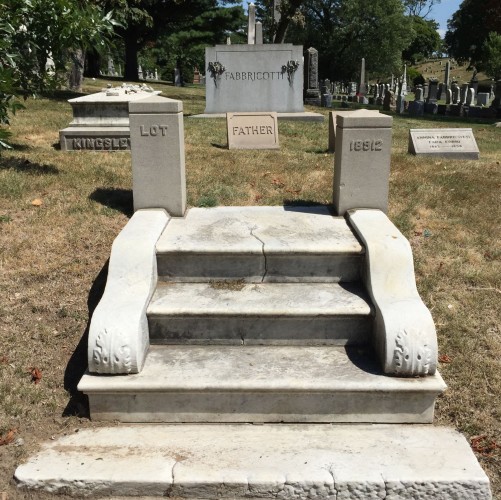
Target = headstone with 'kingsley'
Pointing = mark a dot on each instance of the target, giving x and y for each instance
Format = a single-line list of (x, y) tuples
[(448, 142), (252, 130)]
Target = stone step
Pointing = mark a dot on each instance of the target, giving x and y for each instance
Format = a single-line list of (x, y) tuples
[(259, 244), (405, 462), (259, 313), (261, 384)]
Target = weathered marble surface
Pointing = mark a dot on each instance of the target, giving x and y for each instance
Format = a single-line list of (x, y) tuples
[(261, 384), (101, 120), (404, 333), (118, 333), (403, 462), (262, 313), (259, 244)]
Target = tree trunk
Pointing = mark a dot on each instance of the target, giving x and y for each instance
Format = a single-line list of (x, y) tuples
[(285, 18), (93, 64), (131, 49), (281, 30), (77, 58)]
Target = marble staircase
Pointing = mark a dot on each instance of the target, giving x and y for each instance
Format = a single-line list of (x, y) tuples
[(260, 315), (247, 358)]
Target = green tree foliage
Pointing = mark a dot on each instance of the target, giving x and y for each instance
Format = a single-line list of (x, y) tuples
[(180, 24), (8, 90), (52, 28), (469, 27), (426, 40), (31, 31), (184, 41), (291, 14), (419, 8), (344, 31), (492, 56)]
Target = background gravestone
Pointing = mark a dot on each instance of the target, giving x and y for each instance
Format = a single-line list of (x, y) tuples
[(265, 77), (444, 142), (101, 120), (311, 89)]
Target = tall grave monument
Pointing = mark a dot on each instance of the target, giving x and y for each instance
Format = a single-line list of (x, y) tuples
[(256, 77), (362, 88), (311, 87)]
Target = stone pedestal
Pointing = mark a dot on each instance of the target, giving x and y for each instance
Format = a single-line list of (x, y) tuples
[(362, 161), (157, 139), (101, 120)]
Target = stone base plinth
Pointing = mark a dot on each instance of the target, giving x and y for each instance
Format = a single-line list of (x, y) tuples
[(300, 116), (267, 461), (95, 139)]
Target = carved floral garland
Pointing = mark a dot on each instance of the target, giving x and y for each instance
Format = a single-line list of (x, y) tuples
[(215, 69), (291, 67)]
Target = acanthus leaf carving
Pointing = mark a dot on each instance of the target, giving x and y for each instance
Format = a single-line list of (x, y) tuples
[(412, 355), (119, 362)]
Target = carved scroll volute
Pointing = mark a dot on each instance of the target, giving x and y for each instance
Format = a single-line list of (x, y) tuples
[(404, 333), (108, 359), (412, 356)]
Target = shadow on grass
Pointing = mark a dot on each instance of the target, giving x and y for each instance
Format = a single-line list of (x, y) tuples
[(117, 199), (78, 405), (219, 146), (61, 95), (318, 151), (307, 206), (25, 166), (19, 147), (56, 146)]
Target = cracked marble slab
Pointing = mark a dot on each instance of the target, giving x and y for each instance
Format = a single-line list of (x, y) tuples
[(266, 461), (250, 229)]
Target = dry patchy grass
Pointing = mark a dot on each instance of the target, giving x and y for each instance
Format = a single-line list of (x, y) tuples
[(53, 256)]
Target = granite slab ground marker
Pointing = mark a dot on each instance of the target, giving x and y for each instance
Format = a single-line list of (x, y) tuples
[(252, 130), (448, 142)]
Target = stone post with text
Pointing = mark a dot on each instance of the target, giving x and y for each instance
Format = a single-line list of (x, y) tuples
[(362, 161), (157, 147)]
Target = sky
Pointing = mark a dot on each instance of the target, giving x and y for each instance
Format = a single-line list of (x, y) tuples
[(443, 12)]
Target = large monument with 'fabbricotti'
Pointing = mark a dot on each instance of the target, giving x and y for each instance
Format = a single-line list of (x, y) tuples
[(254, 76)]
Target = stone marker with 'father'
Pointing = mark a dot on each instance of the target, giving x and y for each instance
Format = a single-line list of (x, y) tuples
[(252, 130), (448, 142)]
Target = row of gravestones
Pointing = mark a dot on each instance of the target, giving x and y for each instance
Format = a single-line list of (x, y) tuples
[(460, 101)]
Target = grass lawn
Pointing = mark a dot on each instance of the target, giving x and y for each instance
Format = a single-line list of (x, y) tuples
[(60, 211)]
